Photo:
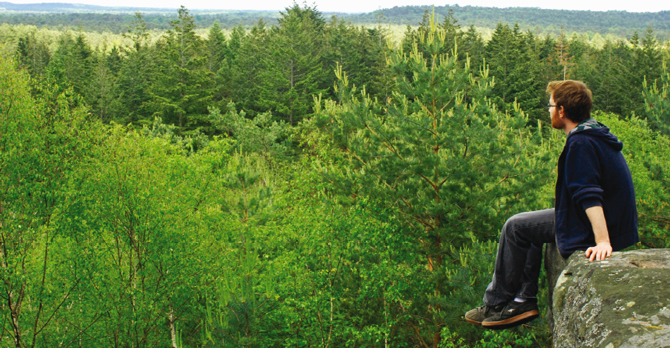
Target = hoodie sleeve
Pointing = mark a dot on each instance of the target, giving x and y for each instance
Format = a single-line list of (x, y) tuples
[(582, 173)]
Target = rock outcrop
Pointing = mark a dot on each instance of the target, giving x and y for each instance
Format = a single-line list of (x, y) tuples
[(623, 301), (554, 264)]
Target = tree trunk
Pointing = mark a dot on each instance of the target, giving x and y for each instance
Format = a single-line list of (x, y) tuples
[(173, 331)]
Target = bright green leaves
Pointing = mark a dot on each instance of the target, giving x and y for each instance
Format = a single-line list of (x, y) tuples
[(42, 143), (244, 289), (260, 135), (172, 235)]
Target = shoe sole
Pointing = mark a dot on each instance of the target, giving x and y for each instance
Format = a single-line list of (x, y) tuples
[(473, 321), (511, 322)]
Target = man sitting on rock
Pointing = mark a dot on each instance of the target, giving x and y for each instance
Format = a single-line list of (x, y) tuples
[(595, 211)]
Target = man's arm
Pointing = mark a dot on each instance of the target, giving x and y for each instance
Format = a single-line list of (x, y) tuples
[(603, 248)]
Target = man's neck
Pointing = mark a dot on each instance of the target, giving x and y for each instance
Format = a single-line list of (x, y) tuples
[(569, 126)]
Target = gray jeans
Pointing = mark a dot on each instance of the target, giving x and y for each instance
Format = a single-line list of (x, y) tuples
[(519, 258)]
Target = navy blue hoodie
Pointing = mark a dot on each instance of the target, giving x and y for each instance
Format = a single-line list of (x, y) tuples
[(593, 172)]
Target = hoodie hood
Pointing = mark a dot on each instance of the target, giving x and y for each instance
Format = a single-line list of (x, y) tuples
[(594, 128)]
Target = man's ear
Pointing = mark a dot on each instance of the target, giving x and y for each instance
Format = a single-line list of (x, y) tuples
[(561, 112)]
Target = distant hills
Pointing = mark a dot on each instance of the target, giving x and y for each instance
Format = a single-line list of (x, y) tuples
[(61, 7), (117, 19), (64, 8), (620, 23)]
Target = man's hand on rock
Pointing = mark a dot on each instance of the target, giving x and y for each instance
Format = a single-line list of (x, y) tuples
[(603, 248), (599, 252)]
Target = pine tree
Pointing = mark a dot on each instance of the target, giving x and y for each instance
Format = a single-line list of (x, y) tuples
[(231, 73), (562, 59), (517, 71), (610, 84), (474, 46), (72, 63), (248, 55), (34, 54), (585, 59), (216, 63), (216, 48), (236, 38), (135, 76), (502, 53), (294, 72), (408, 39), (635, 40), (181, 90), (360, 52), (450, 25), (381, 79), (651, 59), (526, 83), (440, 153), (237, 311), (650, 65), (104, 93), (342, 49), (630, 77), (454, 34), (657, 102)]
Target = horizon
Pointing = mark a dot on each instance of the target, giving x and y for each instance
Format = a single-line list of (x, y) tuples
[(353, 7)]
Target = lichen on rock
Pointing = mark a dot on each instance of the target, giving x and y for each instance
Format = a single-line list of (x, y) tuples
[(623, 301)]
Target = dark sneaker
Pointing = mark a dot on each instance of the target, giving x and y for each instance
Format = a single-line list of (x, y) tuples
[(514, 314), (477, 315)]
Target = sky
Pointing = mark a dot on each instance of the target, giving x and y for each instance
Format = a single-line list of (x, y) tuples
[(371, 5)]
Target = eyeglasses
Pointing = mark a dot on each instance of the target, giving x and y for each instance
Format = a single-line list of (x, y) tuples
[(549, 106)]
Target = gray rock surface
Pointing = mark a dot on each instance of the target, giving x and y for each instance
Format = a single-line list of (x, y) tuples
[(554, 264), (623, 301)]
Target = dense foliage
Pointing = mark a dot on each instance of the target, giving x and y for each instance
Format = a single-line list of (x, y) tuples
[(306, 184), (279, 69)]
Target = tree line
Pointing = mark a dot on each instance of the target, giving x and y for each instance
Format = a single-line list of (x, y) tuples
[(305, 184), (541, 21), (544, 21), (280, 69), (118, 23)]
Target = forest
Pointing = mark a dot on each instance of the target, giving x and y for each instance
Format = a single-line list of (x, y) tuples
[(309, 183), (620, 24)]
